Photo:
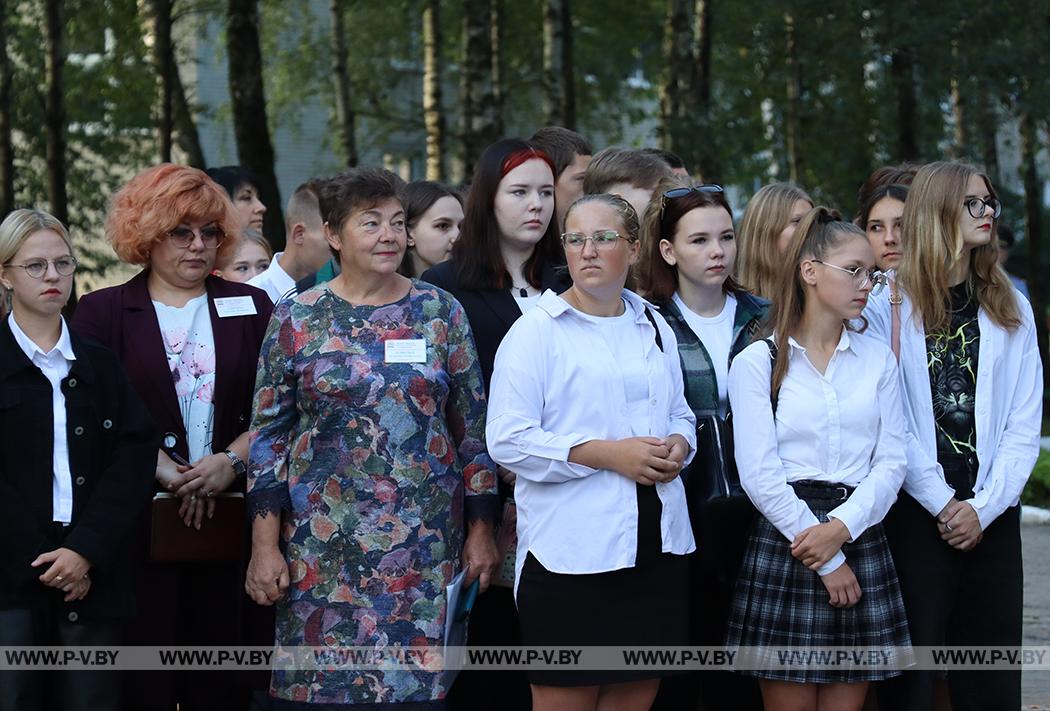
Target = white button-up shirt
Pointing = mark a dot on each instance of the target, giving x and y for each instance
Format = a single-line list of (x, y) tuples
[(275, 281), (1008, 413), (55, 365), (843, 426), (556, 385)]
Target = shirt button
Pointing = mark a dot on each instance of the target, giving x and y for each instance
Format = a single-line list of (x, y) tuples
[(107, 424), (80, 481), (78, 430), (72, 382), (73, 617)]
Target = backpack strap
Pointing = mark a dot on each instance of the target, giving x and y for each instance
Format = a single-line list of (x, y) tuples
[(652, 320), (773, 396)]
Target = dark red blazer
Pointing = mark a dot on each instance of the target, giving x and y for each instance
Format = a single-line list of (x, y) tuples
[(123, 319)]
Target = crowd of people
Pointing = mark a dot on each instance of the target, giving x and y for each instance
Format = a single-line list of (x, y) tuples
[(632, 420)]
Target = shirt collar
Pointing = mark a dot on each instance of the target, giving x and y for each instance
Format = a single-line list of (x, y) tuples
[(556, 306), (64, 346), (844, 343)]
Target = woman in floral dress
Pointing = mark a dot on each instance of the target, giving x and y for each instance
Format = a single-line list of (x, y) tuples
[(368, 458)]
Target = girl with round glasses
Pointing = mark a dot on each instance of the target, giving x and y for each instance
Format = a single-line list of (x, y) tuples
[(688, 260), (587, 409), (78, 450), (819, 445), (972, 389)]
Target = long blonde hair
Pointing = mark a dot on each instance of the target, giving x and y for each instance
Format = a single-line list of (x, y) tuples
[(759, 262), (933, 242), (820, 231)]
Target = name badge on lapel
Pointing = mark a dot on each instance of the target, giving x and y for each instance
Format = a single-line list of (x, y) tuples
[(227, 306), (407, 350)]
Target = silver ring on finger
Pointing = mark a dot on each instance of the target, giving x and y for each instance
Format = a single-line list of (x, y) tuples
[(948, 528), (207, 494)]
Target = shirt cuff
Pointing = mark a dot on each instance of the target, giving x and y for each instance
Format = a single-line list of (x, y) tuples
[(832, 565), (851, 517)]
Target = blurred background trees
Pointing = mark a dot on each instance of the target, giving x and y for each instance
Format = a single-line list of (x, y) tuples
[(816, 92)]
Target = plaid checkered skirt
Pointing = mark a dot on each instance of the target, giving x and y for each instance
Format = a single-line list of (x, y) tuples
[(780, 603)]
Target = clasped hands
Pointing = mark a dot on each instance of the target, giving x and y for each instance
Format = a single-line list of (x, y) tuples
[(815, 546), (649, 460), (195, 484), (959, 526)]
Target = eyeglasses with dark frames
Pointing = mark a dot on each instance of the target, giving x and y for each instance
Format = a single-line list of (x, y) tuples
[(977, 207), (211, 236), (861, 276), (37, 268)]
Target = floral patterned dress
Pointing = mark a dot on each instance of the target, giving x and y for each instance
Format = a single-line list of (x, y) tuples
[(375, 466)]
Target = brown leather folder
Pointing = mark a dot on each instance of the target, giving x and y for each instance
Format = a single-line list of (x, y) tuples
[(219, 538)]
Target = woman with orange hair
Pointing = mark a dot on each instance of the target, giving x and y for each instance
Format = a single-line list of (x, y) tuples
[(189, 342)]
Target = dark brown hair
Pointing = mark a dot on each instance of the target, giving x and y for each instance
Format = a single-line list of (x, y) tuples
[(901, 175), (658, 280), (476, 256), (562, 145), (894, 191), (418, 197), (356, 189)]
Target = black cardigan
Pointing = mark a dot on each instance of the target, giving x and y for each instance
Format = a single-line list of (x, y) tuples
[(112, 460), (491, 312)]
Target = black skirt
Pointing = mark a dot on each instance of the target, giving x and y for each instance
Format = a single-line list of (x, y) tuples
[(646, 605), (779, 602)]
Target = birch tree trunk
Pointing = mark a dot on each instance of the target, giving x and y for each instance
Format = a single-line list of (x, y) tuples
[(433, 116)]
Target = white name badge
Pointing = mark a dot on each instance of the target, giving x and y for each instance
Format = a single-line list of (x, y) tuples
[(235, 306), (408, 350)]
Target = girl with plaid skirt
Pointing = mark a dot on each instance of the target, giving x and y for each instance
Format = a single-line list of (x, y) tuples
[(819, 444)]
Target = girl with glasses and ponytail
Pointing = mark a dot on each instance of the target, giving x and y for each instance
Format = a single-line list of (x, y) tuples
[(971, 383), (819, 445)]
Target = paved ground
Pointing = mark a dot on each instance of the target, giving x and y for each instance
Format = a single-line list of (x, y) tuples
[(1036, 546)]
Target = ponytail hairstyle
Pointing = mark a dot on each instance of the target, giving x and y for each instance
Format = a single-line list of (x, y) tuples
[(933, 243), (758, 260), (820, 231)]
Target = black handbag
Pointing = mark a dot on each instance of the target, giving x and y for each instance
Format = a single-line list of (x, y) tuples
[(713, 473)]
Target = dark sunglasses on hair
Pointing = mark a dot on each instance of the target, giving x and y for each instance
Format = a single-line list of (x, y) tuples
[(674, 193)]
